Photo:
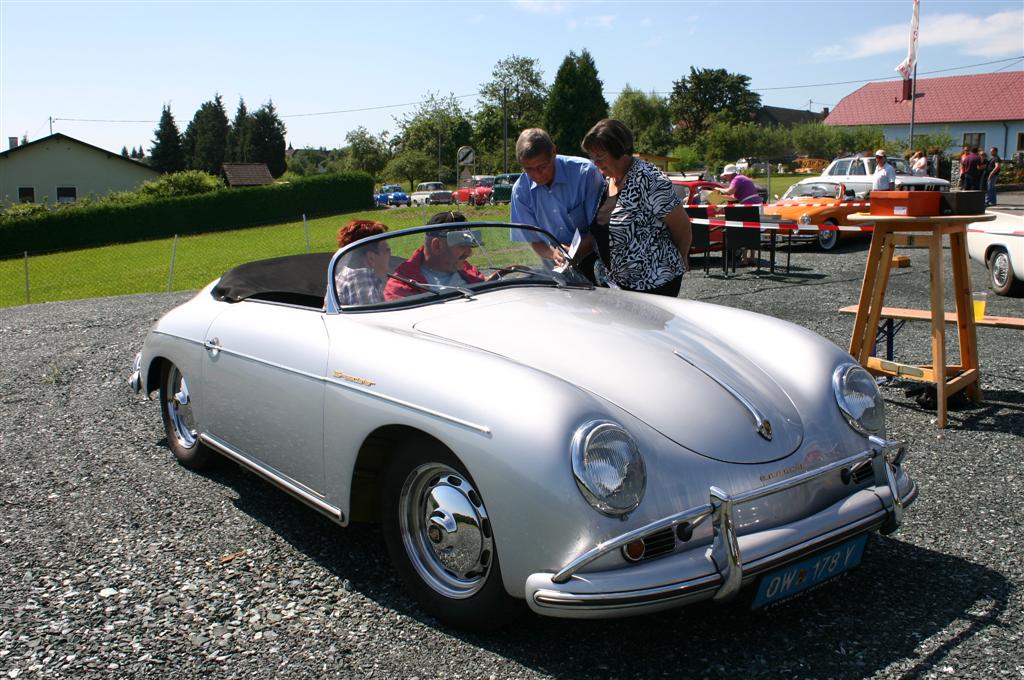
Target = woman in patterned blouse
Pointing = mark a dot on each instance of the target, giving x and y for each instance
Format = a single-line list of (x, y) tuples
[(641, 230), (361, 280)]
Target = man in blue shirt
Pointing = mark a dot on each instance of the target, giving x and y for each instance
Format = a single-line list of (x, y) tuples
[(557, 193)]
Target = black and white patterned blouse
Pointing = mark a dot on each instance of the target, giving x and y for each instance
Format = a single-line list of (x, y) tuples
[(643, 255)]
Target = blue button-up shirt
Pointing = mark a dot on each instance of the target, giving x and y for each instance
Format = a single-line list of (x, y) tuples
[(570, 203)]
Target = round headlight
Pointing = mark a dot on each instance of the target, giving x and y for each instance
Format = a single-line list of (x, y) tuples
[(805, 219), (608, 467), (859, 400)]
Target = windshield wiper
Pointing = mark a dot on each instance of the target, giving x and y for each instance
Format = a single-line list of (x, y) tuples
[(437, 289)]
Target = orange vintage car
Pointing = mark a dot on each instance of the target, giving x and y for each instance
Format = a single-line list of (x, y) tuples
[(819, 202)]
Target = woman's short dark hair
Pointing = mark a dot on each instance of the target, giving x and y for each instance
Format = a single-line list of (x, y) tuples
[(610, 135)]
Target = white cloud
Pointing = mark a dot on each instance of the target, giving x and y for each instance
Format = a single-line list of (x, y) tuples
[(599, 22), (998, 35), (543, 6)]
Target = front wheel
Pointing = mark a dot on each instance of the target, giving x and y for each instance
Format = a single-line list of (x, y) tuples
[(440, 539), (179, 424), (827, 239), (1001, 275)]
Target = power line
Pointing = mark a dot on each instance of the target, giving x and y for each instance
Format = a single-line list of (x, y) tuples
[(369, 108)]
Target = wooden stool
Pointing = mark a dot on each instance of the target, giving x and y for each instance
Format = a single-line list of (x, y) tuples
[(891, 231)]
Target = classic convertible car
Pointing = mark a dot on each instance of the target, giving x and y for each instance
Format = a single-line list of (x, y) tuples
[(823, 205), (523, 435)]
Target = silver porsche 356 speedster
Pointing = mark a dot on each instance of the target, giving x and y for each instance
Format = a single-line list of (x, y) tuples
[(523, 435)]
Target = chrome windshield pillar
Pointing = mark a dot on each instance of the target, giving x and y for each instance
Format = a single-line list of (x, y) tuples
[(724, 524)]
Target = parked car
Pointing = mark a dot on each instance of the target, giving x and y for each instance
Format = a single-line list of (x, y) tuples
[(502, 189), (855, 172), (699, 463), (476, 191), (999, 245), (821, 203), (692, 190), (431, 193), (391, 194)]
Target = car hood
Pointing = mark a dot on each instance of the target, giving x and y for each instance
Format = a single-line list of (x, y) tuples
[(661, 366)]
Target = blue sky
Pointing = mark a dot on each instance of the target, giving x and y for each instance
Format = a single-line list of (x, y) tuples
[(122, 61)]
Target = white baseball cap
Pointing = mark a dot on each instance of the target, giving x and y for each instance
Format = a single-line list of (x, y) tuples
[(729, 169)]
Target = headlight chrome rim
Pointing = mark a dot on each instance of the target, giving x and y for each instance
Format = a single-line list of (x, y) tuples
[(582, 439), (840, 380)]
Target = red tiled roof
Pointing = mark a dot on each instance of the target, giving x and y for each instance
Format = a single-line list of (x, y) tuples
[(954, 99), (247, 174)]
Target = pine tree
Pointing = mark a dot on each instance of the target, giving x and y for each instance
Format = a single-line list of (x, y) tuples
[(206, 137), (240, 136), (267, 139), (575, 102), (166, 154), (124, 152)]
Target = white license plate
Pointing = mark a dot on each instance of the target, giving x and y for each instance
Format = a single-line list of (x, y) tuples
[(795, 578)]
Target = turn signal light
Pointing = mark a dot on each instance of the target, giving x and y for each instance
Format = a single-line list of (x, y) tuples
[(634, 551)]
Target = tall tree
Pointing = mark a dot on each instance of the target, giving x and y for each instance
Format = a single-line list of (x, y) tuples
[(124, 152), (410, 166), (648, 116), (366, 152), (166, 154), (206, 137), (438, 127), (517, 89), (575, 102), (710, 91), (240, 135), (267, 139)]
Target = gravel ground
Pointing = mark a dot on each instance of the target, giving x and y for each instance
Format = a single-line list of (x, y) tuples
[(117, 562)]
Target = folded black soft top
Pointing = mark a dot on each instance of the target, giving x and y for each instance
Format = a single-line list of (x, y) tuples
[(295, 279)]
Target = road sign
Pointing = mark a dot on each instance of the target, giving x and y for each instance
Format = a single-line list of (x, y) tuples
[(465, 155)]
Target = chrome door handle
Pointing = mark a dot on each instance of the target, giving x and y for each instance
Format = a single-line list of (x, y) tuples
[(212, 346)]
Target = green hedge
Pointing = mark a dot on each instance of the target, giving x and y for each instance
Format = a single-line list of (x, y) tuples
[(74, 227)]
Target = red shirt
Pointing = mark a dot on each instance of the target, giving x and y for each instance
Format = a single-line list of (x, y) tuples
[(412, 269)]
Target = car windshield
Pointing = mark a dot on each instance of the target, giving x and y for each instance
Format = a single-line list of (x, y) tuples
[(456, 260), (813, 190), (485, 182), (899, 165), (433, 186), (392, 187), (505, 180)]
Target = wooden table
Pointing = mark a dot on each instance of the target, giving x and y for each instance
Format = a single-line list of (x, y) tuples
[(891, 231)]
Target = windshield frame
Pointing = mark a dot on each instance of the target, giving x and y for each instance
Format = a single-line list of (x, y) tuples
[(332, 305)]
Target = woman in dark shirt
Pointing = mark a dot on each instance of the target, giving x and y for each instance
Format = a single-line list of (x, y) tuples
[(641, 230)]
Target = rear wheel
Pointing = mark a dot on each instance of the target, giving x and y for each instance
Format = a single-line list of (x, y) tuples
[(179, 425), (827, 239), (440, 540), (1001, 275)]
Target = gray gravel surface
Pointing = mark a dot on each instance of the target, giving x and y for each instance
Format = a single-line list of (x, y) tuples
[(117, 562)]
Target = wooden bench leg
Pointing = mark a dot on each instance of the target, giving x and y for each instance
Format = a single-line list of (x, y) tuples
[(859, 340), (937, 275), (965, 321)]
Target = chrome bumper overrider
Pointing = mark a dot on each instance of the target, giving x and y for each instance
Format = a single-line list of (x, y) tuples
[(135, 381), (725, 574)]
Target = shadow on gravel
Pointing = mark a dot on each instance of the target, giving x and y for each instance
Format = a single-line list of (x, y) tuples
[(1001, 410), (879, 614)]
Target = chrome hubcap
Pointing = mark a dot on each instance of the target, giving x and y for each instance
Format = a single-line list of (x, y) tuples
[(1000, 269), (827, 239), (179, 409), (445, 530)]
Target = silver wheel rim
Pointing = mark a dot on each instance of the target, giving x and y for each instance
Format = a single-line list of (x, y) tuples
[(1000, 269), (179, 409), (827, 239), (445, 530)]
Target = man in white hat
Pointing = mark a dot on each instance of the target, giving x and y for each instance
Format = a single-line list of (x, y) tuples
[(741, 189), (884, 178)]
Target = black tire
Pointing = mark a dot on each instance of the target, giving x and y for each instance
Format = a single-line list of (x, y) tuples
[(827, 239), (176, 412), (1001, 276), (470, 595)]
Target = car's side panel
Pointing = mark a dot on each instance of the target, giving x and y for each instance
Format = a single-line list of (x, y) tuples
[(263, 371)]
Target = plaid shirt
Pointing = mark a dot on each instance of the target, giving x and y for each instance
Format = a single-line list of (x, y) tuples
[(359, 286)]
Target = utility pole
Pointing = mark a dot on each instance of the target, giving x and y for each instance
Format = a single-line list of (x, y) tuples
[(439, 153), (51, 125), (504, 113)]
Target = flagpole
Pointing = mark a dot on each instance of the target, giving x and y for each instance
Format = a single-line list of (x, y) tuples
[(913, 104)]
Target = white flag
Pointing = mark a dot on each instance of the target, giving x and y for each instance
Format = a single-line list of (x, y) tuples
[(906, 67)]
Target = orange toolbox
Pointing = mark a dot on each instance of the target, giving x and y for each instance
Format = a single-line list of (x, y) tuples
[(905, 203)]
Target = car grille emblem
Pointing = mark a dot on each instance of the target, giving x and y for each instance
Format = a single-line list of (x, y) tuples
[(765, 429)]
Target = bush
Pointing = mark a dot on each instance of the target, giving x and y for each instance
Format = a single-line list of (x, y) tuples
[(104, 222), (184, 183)]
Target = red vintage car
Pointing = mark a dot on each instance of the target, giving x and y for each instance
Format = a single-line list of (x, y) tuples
[(690, 191), (476, 191)]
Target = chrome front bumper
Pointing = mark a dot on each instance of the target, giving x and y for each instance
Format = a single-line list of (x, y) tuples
[(719, 571), (135, 381)]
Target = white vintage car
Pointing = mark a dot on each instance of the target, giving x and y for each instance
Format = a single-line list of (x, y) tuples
[(999, 245), (524, 436), (430, 193)]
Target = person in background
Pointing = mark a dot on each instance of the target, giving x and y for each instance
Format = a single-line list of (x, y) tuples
[(435, 262), (741, 189), (556, 193), (919, 164), (641, 230), (884, 177), (995, 164), (963, 162), (970, 169), (982, 171), (360, 281)]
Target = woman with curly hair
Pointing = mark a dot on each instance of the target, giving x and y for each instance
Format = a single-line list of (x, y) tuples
[(359, 278)]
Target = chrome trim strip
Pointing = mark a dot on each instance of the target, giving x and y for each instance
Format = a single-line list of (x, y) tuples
[(721, 509), (761, 424), (303, 493)]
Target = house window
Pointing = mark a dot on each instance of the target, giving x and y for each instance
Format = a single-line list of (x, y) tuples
[(974, 139), (66, 194), (26, 194)]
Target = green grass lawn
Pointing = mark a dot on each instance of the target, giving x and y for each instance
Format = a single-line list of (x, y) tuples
[(145, 267)]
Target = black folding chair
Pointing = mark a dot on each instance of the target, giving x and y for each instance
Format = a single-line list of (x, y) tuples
[(738, 238), (701, 234)]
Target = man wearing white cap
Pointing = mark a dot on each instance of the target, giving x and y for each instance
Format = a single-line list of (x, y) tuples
[(884, 178), (741, 189)]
